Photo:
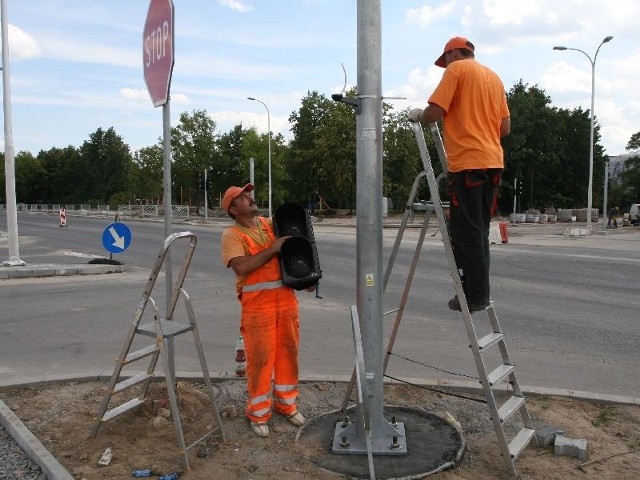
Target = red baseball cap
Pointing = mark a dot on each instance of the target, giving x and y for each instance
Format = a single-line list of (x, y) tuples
[(233, 193), (452, 44)]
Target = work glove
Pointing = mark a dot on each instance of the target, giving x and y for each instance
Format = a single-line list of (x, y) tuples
[(414, 114)]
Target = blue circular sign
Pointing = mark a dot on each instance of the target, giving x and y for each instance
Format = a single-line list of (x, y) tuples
[(116, 238)]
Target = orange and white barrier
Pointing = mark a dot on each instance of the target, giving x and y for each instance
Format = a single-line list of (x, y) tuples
[(63, 217)]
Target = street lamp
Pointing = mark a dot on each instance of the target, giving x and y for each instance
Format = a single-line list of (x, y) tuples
[(268, 128), (593, 88)]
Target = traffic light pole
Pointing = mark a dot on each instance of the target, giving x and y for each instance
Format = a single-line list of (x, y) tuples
[(378, 434)]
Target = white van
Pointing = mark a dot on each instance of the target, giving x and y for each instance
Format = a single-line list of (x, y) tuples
[(633, 213)]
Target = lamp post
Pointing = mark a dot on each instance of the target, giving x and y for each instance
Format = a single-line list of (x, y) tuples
[(269, 129), (593, 88)]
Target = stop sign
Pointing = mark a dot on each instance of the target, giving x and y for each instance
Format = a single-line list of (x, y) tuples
[(157, 50)]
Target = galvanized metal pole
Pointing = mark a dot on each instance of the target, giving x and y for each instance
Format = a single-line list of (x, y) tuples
[(371, 433), (369, 202), (9, 152), (168, 215)]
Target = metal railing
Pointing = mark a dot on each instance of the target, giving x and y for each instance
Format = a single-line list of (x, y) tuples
[(131, 211)]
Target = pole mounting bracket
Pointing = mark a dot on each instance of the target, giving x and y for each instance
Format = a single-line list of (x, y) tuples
[(355, 103)]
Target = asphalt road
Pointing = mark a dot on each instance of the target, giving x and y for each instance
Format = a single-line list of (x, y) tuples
[(568, 305)]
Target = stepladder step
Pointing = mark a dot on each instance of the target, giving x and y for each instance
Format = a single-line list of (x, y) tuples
[(520, 441), (131, 381), (490, 340), (142, 353), (500, 373), (120, 409), (510, 407)]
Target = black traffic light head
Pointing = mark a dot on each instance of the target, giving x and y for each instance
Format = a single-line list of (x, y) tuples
[(299, 262)]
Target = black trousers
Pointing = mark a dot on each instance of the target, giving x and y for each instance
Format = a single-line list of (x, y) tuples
[(472, 202)]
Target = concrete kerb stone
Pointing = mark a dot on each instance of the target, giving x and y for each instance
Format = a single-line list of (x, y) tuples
[(572, 447), (53, 270), (32, 446)]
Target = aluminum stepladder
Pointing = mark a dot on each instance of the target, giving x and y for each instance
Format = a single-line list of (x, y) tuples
[(482, 344), (162, 330)]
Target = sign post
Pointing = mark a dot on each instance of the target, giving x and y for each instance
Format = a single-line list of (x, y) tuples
[(157, 64)]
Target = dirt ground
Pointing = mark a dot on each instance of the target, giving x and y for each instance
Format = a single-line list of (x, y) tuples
[(61, 416)]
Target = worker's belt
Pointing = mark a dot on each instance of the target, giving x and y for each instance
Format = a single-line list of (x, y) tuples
[(262, 286)]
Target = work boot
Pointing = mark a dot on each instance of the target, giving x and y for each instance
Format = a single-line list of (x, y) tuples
[(296, 419), (454, 304), (260, 429)]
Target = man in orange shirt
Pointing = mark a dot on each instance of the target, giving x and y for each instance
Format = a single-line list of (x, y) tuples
[(471, 101), (270, 323)]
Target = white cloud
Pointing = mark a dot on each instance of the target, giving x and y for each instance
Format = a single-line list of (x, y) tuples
[(426, 15), (22, 45), (236, 5)]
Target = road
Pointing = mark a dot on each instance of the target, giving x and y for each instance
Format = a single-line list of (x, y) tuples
[(568, 305)]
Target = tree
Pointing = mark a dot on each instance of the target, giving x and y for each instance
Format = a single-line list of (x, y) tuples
[(402, 160), (301, 177), (146, 179), (634, 142), (232, 167), (31, 177), (193, 147), (334, 165), (106, 160), (548, 151), (65, 175), (629, 189)]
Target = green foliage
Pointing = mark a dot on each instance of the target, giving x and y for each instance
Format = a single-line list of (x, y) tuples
[(606, 414), (634, 142), (106, 162), (31, 178), (146, 181), (193, 148), (301, 180), (547, 150), (401, 160)]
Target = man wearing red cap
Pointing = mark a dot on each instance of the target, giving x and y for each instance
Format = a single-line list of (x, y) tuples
[(269, 322), (472, 102)]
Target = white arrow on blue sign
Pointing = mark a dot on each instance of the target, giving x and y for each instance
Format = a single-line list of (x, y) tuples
[(116, 238)]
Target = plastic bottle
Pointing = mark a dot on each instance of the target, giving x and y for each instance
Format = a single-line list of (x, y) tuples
[(141, 472), (241, 359), (171, 476)]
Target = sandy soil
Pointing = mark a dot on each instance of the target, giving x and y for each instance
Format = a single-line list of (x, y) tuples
[(61, 415)]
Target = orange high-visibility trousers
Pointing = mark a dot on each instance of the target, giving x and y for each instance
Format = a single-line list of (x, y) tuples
[(270, 328)]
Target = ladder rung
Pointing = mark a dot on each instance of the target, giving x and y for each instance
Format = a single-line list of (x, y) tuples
[(520, 441), (510, 407), (134, 380), (500, 373), (490, 340), (138, 354), (391, 311), (120, 409)]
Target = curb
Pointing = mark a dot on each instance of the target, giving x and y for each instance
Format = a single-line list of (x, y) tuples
[(58, 270), (55, 471), (32, 446)]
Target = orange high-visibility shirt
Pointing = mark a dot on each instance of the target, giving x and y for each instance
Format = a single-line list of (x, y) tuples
[(475, 103)]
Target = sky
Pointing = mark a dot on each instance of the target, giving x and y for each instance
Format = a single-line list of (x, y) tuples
[(77, 65)]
